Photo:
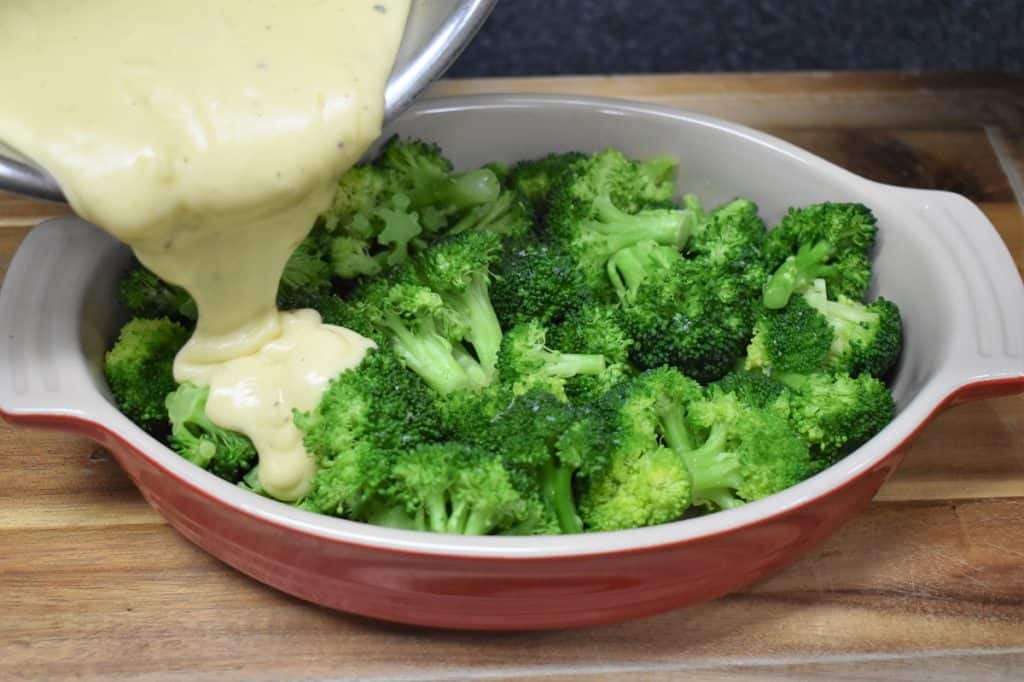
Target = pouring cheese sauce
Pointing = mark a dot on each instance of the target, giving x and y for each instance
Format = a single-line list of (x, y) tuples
[(208, 136)]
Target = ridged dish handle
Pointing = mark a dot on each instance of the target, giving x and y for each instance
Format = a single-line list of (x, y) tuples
[(44, 333), (987, 349)]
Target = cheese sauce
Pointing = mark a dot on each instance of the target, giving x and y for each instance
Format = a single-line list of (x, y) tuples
[(208, 136)]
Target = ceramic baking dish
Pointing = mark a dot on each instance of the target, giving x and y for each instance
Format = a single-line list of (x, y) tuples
[(938, 258)]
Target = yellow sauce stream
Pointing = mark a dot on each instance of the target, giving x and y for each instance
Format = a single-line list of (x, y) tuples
[(208, 136)]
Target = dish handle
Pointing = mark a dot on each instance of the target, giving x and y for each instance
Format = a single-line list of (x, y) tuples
[(50, 346), (987, 349)]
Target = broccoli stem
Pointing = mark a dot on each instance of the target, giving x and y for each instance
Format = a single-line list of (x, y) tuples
[(673, 423), (459, 191), (714, 472), (621, 229), (796, 273), (437, 512), (556, 487), (474, 305), (428, 354), (568, 365)]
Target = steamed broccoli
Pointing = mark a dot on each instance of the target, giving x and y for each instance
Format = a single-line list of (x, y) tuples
[(458, 269), (139, 369), (693, 318), (379, 402), (745, 453), (594, 329), (642, 426), (835, 413), (536, 281), (455, 488), (865, 337), (536, 180), (527, 434), (193, 436), (830, 241), (525, 362), (603, 205), (146, 295), (560, 347)]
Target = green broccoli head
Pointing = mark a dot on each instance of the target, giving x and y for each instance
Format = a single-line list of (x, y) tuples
[(526, 433), (457, 489), (537, 179), (422, 331), (226, 453), (731, 236), (866, 338), (754, 389), (536, 281), (629, 268), (604, 206), (830, 241), (379, 402), (458, 269), (640, 424), (746, 453), (354, 485), (146, 295), (525, 362), (795, 338), (139, 369), (648, 489), (696, 318), (836, 413), (507, 216), (422, 173)]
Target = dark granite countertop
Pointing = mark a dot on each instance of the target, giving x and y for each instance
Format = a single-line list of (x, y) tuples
[(544, 37)]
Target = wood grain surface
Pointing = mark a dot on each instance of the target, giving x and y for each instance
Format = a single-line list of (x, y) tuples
[(928, 583)]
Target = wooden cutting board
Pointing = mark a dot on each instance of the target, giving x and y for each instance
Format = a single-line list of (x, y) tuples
[(929, 582)]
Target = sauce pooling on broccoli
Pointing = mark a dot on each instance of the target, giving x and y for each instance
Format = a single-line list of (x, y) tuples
[(209, 136)]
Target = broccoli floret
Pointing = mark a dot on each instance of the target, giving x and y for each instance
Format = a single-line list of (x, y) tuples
[(695, 318), (421, 330), (865, 337), (629, 268), (358, 192), (458, 269), (382, 213), (536, 281), (650, 488), (535, 180), (354, 485), (424, 175), (731, 238), (641, 425), (594, 329), (795, 338), (146, 295), (379, 402), (602, 208), (139, 369), (526, 435), (755, 389), (307, 274), (836, 413), (525, 362), (226, 453), (456, 488), (745, 455), (829, 241), (506, 216)]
